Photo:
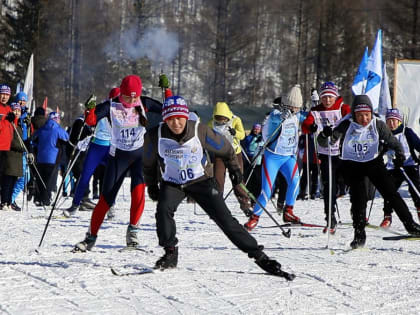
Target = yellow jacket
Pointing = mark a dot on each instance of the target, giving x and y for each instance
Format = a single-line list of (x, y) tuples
[(222, 109)]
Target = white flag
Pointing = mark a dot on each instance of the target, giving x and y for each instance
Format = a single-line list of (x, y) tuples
[(28, 87), (385, 96)]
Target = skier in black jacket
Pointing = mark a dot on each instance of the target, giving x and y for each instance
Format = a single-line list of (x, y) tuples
[(178, 148), (362, 139)]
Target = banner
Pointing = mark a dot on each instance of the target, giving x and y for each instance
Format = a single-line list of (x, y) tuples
[(374, 67), (28, 87), (407, 92)]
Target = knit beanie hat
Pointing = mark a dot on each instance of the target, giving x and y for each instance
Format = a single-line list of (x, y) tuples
[(329, 89), (174, 106), (393, 113), (361, 103), (15, 106), (5, 89), (114, 93), (131, 86), (256, 126), (294, 98), (21, 96), (54, 116)]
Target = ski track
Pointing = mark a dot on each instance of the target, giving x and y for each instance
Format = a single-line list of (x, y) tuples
[(213, 276)]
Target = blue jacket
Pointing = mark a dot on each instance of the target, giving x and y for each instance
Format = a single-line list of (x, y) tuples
[(46, 141)]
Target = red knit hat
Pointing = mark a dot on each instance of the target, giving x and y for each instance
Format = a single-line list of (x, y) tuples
[(114, 92), (131, 86)]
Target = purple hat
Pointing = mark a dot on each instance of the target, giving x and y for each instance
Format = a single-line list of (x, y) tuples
[(15, 106), (5, 89), (393, 113), (329, 89), (256, 126)]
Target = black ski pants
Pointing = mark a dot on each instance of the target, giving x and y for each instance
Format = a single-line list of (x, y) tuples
[(354, 173), (324, 168), (206, 194), (398, 177)]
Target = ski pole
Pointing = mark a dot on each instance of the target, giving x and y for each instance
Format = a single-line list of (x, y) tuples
[(307, 163), (56, 199), (284, 232), (27, 153), (371, 204), (329, 191), (271, 138), (410, 182)]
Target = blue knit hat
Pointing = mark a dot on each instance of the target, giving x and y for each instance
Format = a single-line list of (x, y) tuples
[(54, 116), (21, 96)]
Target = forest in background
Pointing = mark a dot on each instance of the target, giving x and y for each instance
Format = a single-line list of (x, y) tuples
[(245, 52)]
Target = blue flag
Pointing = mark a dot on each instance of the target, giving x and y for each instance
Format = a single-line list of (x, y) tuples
[(359, 82), (374, 67)]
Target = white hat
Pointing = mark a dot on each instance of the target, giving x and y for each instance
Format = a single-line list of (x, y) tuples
[(294, 98)]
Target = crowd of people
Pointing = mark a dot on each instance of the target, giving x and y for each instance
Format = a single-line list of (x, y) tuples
[(325, 152)]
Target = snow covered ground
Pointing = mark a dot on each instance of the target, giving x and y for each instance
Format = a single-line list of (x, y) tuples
[(213, 277)]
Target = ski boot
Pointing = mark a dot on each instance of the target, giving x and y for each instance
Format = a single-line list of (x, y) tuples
[(70, 211), (359, 238), (252, 222), (131, 236), (87, 205), (14, 206), (386, 222), (169, 259), (272, 266), (289, 216), (333, 227), (412, 228), (86, 244)]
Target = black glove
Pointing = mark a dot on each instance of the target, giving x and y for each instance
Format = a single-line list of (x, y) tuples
[(259, 139), (235, 176), (10, 117), (313, 127), (398, 161), (232, 131), (30, 158), (153, 191), (327, 131)]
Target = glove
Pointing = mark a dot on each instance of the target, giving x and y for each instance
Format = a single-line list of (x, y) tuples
[(30, 158), (91, 102), (327, 131), (398, 161), (10, 117), (259, 139), (153, 191), (163, 81), (235, 176), (313, 127), (232, 131)]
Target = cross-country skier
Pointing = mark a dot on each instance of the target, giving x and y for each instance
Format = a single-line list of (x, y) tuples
[(230, 126), (97, 154), (178, 149), (329, 112), (362, 139), (280, 156), (6, 119), (128, 126), (410, 143)]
